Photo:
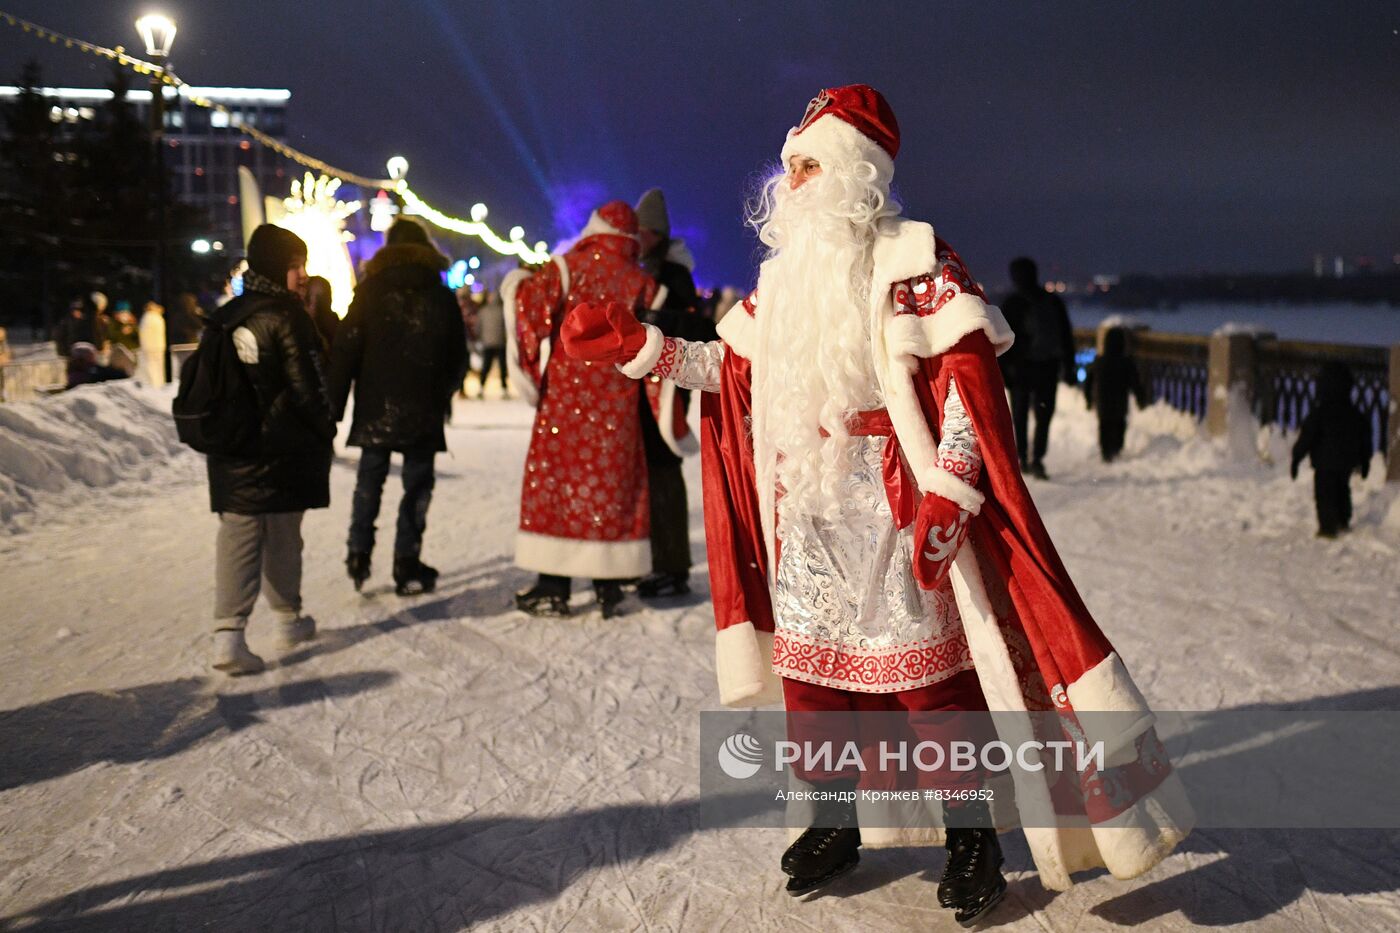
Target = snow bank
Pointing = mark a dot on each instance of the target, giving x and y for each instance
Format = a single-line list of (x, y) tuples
[(102, 439)]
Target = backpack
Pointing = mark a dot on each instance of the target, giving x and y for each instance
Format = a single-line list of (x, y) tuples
[(216, 409)]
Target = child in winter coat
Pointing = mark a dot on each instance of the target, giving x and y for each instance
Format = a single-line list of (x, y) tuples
[(1112, 376), (1336, 439)]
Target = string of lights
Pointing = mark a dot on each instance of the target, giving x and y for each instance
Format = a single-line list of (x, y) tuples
[(514, 246)]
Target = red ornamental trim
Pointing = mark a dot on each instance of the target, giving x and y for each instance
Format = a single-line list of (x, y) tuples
[(667, 364), (901, 667)]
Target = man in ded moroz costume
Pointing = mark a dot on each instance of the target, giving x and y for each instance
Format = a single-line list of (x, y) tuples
[(584, 510), (872, 545)]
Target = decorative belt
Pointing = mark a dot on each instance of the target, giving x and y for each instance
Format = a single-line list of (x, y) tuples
[(900, 488)]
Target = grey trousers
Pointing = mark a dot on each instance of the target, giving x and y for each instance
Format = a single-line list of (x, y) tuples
[(251, 550)]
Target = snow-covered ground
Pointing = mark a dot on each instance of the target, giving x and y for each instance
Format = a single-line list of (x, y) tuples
[(441, 762), (1337, 322)]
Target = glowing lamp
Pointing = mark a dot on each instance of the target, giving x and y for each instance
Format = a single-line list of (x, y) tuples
[(200, 246), (398, 167), (517, 233), (478, 212), (474, 263), (158, 32)]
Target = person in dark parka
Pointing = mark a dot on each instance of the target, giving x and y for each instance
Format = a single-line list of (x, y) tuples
[(403, 346), (668, 262), (1336, 439), (261, 499), (318, 305), (1111, 379), (1042, 355)]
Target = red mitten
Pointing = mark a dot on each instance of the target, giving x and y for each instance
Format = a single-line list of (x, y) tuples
[(607, 333), (939, 531)]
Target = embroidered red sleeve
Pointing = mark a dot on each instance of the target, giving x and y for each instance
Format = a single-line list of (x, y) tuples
[(926, 294)]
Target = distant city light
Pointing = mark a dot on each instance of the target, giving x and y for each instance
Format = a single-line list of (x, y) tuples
[(200, 246), (457, 275)]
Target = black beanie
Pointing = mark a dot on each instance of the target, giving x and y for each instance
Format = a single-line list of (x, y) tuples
[(272, 250), (405, 231)]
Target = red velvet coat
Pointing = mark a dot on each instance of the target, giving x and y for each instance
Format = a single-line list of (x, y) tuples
[(1035, 645)]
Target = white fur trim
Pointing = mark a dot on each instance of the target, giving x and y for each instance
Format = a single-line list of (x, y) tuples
[(996, 673), (909, 337), (684, 446), (831, 139), (1117, 711), (938, 481), (903, 249), (739, 331), (527, 387), (1135, 840), (522, 382), (744, 667), (907, 415), (642, 363), (659, 301), (597, 226), (570, 557)]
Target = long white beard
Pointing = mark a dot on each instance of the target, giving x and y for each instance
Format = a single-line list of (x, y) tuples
[(814, 364)]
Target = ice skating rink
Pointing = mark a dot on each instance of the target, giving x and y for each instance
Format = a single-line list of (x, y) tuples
[(443, 762)]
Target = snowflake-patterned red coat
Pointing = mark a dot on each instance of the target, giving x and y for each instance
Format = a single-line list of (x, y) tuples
[(583, 499)]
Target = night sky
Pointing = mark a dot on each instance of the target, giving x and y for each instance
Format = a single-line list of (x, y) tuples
[(1098, 137)]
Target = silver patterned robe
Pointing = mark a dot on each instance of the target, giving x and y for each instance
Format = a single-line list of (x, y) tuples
[(847, 611)]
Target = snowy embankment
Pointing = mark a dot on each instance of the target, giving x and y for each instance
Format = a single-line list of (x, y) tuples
[(440, 762), (82, 446)]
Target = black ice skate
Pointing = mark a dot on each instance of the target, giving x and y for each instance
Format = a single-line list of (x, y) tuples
[(542, 602), (609, 597), (825, 852), (357, 566), (412, 576), (972, 882), (662, 585)]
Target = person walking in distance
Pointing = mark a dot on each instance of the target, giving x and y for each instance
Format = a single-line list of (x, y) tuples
[(1044, 354), (403, 348), (491, 333), (1335, 438)]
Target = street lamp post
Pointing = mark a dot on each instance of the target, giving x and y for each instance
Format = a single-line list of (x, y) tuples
[(158, 32)]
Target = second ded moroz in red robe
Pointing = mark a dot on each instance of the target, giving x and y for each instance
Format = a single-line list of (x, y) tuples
[(583, 501)]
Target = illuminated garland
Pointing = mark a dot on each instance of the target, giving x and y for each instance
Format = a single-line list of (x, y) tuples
[(509, 247), (515, 246)]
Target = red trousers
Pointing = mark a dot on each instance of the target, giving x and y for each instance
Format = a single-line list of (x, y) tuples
[(817, 715)]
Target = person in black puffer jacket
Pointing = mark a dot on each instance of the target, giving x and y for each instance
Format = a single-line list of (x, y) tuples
[(1336, 439), (403, 345), (261, 499)]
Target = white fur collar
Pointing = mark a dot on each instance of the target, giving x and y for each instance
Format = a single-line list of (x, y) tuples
[(903, 249)]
